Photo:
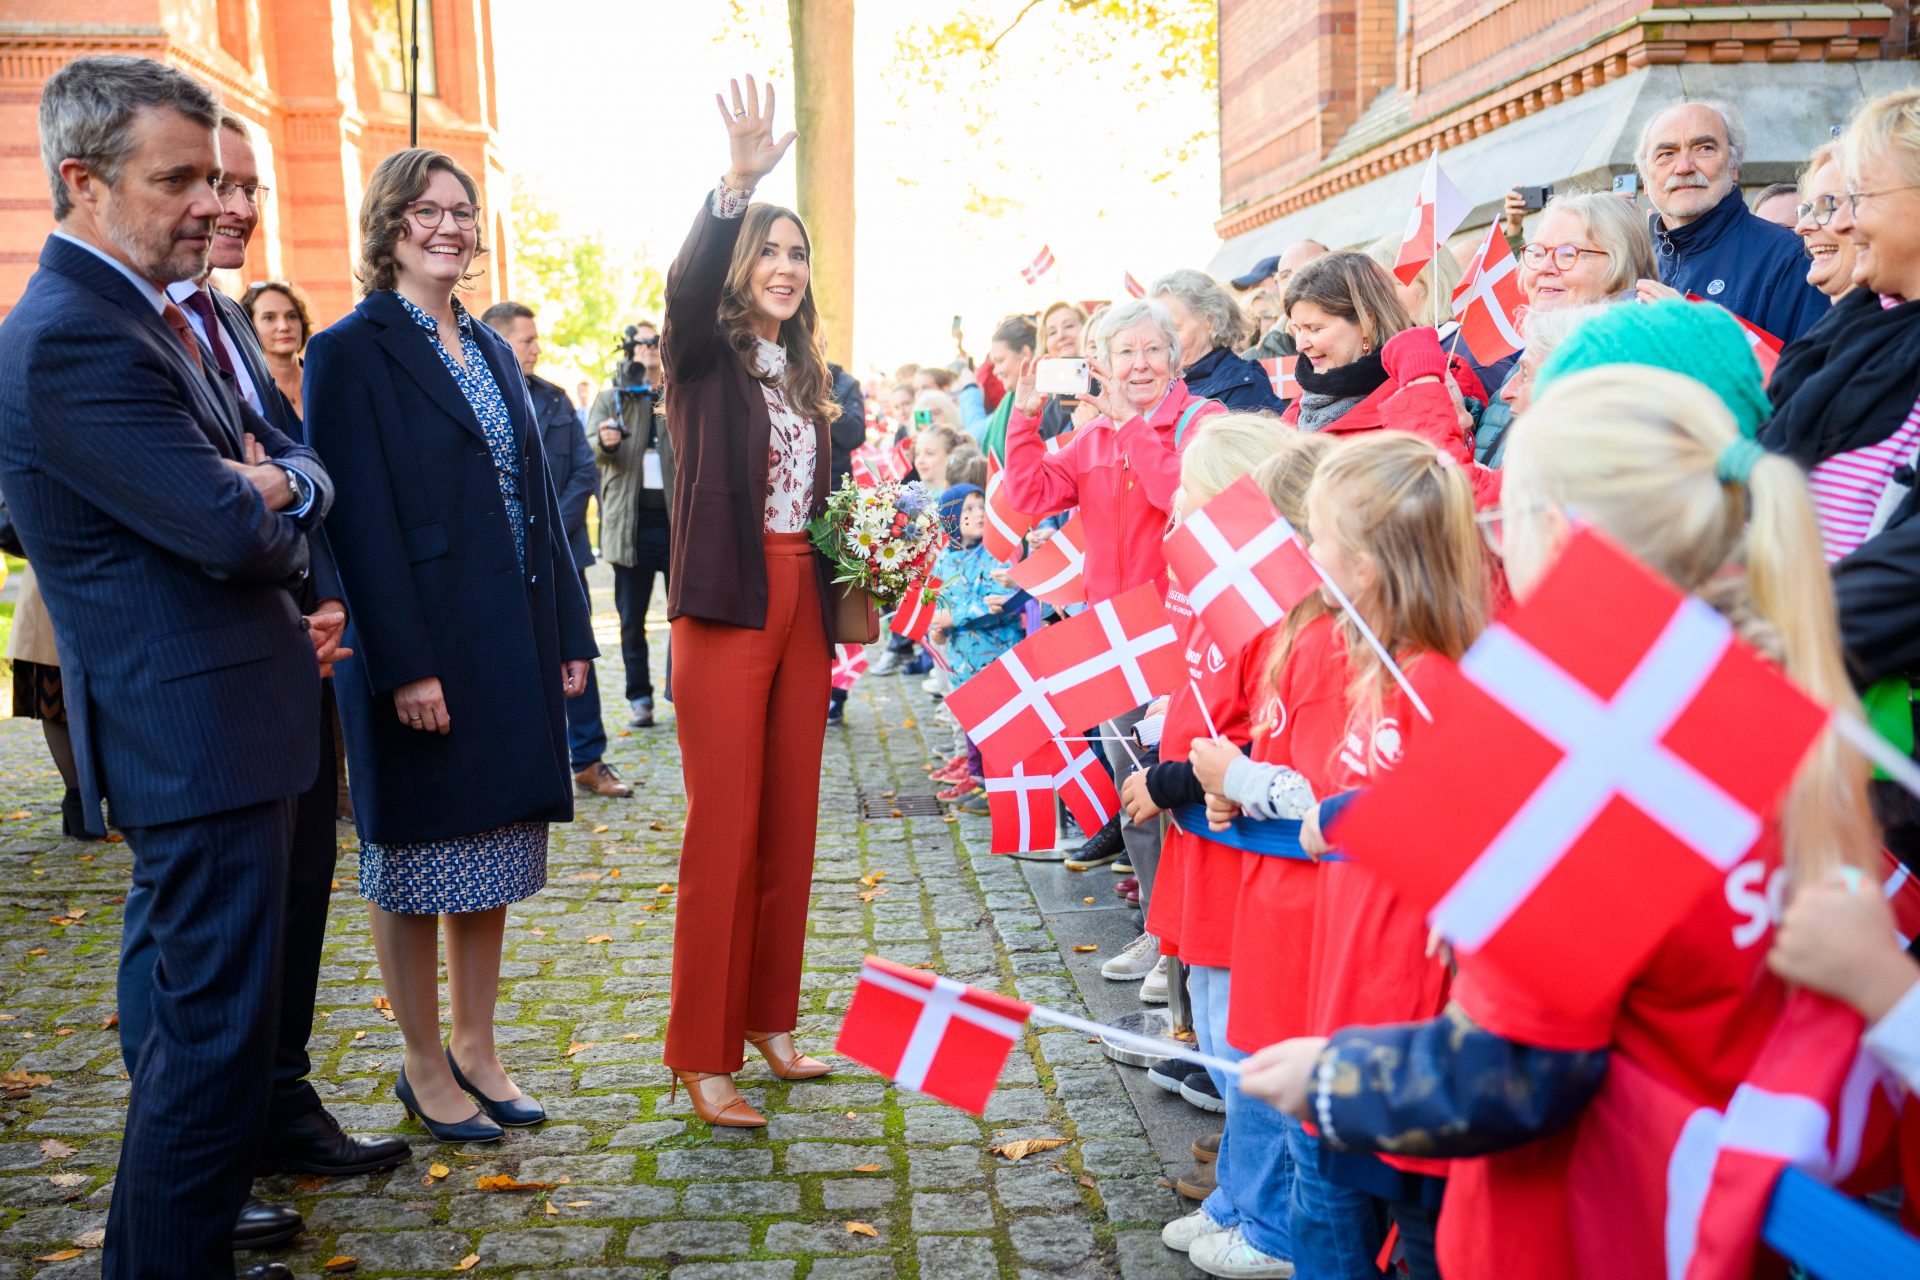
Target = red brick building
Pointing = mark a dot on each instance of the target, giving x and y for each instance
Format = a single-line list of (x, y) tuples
[(321, 81), (1329, 108)]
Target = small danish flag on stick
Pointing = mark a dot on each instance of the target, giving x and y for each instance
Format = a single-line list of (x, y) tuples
[(1041, 264), (915, 614), (1280, 370), (849, 664), (931, 1033), (1117, 655), (1437, 213), (1053, 571), (1241, 565), (1134, 287), (1489, 301)]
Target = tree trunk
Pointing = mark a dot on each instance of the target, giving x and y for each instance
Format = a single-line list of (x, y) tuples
[(823, 115)]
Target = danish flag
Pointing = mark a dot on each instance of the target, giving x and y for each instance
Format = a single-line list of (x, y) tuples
[(873, 465), (849, 664), (1903, 894), (1084, 784), (1241, 565), (1134, 287), (1656, 1176), (1117, 655), (900, 461), (1489, 301), (915, 614), (1041, 264), (1053, 572), (1055, 444), (1021, 803), (861, 469), (1005, 708), (1280, 370), (1437, 213), (1766, 347), (930, 1033), (1642, 745), (1005, 526)]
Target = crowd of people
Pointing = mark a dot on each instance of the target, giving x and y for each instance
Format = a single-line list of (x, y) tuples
[(343, 537)]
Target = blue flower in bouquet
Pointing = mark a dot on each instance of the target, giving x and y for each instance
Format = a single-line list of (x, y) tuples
[(913, 499)]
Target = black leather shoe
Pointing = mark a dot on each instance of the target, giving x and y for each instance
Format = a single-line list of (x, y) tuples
[(515, 1112), (263, 1224), (267, 1271), (315, 1143), (475, 1128)]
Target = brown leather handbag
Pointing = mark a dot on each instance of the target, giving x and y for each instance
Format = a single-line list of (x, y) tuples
[(856, 619)]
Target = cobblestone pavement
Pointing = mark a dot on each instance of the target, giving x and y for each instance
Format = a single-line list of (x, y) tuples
[(852, 1180)]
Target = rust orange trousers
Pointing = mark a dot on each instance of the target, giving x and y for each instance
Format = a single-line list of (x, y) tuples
[(751, 707)]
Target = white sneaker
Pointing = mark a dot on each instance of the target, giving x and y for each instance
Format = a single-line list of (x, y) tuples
[(1228, 1254), (1154, 989), (1180, 1234), (1135, 963), (888, 663)]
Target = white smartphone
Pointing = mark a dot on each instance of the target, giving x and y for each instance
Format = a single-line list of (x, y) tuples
[(1061, 377)]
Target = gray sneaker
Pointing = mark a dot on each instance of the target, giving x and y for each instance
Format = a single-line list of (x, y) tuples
[(640, 713), (1135, 963)]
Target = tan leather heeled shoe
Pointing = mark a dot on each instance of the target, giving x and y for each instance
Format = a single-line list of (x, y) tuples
[(783, 1059), (728, 1109)]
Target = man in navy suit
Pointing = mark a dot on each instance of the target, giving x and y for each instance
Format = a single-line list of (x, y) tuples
[(302, 1136), (168, 522)]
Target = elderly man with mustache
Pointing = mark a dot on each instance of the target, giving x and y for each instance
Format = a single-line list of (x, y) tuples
[(1708, 242)]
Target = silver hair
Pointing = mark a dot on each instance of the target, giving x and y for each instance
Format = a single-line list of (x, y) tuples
[(1122, 316), (1545, 330), (88, 106), (1736, 128), (1203, 295)]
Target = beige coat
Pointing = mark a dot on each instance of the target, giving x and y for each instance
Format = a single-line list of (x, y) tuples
[(32, 636)]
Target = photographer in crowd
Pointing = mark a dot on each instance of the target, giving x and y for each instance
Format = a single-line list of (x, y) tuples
[(630, 445)]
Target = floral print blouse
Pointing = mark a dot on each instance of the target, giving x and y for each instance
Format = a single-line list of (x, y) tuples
[(792, 452)]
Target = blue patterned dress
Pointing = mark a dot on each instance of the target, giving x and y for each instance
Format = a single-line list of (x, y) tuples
[(505, 865)]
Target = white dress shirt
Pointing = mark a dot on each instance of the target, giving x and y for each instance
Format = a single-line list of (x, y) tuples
[(180, 291)]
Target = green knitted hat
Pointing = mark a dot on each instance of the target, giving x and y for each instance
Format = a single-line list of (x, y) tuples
[(1700, 340)]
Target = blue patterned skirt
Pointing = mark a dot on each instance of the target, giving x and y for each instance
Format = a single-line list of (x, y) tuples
[(468, 873)]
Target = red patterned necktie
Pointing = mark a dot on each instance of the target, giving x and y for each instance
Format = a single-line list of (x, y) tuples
[(202, 306), (177, 321)]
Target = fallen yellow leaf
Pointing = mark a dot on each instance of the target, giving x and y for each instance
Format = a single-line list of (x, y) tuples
[(868, 895), (1088, 901), (1020, 1149), (61, 1256), (665, 888), (1087, 946), (18, 1084), (94, 1239), (438, 1171), (54, 1149), (340, 1264), (585, 875), (862, 1229), (599, 938), (467, 1263), (867, 1168), (551, 1211), (614, 874), (501, 1182), (577, 1046), (579, 1204), (68, 1179)]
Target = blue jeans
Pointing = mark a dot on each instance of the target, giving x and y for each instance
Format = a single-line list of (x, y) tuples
[(586, 735), (1254, 1171), (1336, 1229)]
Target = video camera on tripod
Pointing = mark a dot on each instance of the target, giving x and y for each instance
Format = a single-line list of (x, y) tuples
[(631, 378)]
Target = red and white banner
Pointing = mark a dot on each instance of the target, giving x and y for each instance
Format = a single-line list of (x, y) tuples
[(930, 1033), (1006, 710), (1053, 572), (849, 664), (1006, 526), (1766, 347), (1241, 565), (1041, 264), (1280, 371), (915, 613), (1642, 747), (1116, 655), (1134, 287), (1437, 213), (1489, 301)]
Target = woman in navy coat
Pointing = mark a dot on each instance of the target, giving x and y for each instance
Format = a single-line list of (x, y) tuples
[(467, 624)]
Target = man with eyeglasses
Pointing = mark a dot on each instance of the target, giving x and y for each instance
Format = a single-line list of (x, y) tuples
[(629, 438), (1707, 241), (303, 1137)]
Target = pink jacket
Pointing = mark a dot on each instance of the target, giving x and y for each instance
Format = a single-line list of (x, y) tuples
[(1123, 480)]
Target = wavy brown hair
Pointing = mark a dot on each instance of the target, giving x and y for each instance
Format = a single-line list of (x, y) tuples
[(396, 183), (1353, 287), (809, 383)]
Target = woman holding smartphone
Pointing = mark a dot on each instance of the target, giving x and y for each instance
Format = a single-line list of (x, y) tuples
[(751, 399)]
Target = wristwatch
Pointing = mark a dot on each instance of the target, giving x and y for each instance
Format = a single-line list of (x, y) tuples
[(297, 486)]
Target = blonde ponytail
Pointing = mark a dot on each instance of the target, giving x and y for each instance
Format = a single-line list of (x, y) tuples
[(1635, 451)]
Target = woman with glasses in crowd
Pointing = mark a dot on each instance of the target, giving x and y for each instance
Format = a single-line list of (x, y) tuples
[(467, 624), (1822, 189), (283, 321)]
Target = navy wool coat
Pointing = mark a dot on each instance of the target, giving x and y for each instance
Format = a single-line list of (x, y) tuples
[(420, 540)]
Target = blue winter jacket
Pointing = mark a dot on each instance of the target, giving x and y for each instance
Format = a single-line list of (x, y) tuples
[(1750, 266), (1241, 385)]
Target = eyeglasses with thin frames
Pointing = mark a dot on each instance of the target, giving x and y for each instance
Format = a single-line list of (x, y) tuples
[(255, 194), (1855, 197), (1564, 255), (430, 215), (1819, 210)]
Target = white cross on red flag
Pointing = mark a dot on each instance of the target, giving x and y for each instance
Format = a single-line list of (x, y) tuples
[(1657, 1176), (1241, 565), (1006, 526), (1005, 708), (1021, 802), (1766, 347), (1437, 213), (1280, 372), (915, 613), (930, 1033), (1489, 301), (1642, 746), (1116, 655), (1041, 264), (849, 664), (1134, 287), (1054, 570)]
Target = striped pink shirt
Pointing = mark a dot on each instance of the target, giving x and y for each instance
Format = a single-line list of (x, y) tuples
[(1847, 487)]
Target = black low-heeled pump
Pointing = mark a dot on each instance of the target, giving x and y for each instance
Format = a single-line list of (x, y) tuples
[(475, 1128), (515, 1113)]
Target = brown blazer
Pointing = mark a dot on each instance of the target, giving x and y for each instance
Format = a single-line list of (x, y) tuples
[(717, 420)]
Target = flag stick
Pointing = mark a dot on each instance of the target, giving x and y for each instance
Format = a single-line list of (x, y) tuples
[(1148, 1044), (1399, 676), (1212, 730), (1877, 749)]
